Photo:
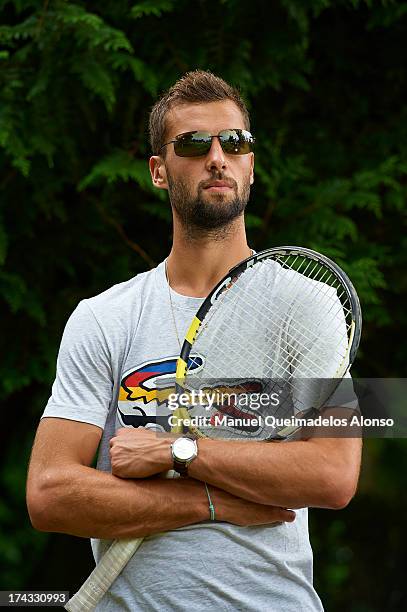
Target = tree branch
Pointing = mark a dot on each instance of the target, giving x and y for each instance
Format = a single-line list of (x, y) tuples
[(130, 243)]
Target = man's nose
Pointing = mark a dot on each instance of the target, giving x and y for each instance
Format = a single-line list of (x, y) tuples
[(216, 158)]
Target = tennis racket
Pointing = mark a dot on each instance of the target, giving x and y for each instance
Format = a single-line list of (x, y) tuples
[(285, 324)]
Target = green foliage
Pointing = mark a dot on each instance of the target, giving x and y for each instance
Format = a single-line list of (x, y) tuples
[(152, 7), (325, 84), (119, 166)]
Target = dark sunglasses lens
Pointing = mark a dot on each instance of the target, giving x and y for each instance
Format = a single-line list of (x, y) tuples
[(236, 142), (192, 144)]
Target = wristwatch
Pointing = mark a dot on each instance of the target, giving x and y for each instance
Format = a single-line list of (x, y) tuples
[(183, 450)]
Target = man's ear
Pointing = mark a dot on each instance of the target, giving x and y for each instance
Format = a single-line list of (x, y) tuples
[(252, 169), (158, 172)]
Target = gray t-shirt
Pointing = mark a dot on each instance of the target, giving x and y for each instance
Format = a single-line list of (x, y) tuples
[(116, 348)]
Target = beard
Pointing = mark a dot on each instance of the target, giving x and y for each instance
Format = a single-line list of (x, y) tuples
[(207, 214)]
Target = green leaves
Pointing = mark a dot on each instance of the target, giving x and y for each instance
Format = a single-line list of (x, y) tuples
[(90, 30), (98, 80), (140, 70), (152, 7), (119, 166), (15, 292)]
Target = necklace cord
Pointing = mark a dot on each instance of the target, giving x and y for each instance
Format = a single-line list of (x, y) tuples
[(171, 302)]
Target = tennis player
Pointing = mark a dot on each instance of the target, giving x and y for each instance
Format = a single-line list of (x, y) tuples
[(247, 551)]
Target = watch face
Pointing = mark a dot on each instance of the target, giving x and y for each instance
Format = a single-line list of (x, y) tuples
[(184, 449)]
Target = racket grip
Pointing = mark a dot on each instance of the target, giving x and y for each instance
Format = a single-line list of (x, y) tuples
[(103, 576)]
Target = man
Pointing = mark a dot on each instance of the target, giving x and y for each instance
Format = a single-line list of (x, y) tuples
[(256, 554)]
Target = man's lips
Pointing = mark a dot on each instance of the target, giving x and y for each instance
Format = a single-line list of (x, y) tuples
[(218, 186)]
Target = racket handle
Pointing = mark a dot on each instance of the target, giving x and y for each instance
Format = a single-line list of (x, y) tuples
[(103, 576)]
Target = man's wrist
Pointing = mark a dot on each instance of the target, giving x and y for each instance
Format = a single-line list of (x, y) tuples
[(199, 466), (167, 461)]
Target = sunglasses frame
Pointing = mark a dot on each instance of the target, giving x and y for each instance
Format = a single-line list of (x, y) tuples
[(250, 142)]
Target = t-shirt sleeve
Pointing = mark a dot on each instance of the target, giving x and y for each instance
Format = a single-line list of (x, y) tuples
[(82, 390)]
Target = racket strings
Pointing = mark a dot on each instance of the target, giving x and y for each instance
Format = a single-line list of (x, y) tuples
[(284, 375), (313, 367), (310, 289), (212, 371), (274, 333), (332, 281), (298, 331), (301, 332), (313, 290), (286, 318)]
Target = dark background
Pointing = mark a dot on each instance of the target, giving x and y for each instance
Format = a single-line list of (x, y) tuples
[(326, 86)]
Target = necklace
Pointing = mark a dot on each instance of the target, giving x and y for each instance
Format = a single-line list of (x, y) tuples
[(172, 306), (171, 303)]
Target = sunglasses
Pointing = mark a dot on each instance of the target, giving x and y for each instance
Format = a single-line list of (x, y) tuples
[(195, 144)]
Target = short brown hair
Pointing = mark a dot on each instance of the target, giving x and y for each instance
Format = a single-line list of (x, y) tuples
[(195, 87)]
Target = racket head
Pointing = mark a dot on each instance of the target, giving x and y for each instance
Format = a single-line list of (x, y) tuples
[(288, 297)]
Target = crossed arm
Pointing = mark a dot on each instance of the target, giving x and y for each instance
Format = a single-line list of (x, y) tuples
[(319, 472), (251, 485)]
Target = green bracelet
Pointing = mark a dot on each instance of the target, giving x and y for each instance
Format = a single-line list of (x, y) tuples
[(211, 506)]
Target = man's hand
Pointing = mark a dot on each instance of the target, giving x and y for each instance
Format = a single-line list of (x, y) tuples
[(245, 513), (139, 453)]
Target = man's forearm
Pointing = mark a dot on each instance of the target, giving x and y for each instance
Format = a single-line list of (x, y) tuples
[(320, 472), (289, 474), (86, 502)]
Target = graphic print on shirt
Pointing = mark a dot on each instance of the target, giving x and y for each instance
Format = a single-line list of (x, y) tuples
[(147, 387)]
